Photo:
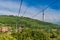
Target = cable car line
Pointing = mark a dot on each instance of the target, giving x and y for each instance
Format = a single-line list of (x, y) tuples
[(20, 7), (27, 8), (45, 8)]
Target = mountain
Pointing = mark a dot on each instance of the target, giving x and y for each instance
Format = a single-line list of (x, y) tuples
[(25, 21)]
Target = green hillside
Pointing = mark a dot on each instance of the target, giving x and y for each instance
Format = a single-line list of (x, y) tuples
[(33, 29), (27, 22)]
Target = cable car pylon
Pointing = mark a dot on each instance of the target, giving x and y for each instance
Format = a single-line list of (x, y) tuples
[(18, 15)]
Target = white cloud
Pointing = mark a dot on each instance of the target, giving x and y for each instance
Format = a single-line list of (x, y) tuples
[(9, 4), (52, 15), (5, 12)]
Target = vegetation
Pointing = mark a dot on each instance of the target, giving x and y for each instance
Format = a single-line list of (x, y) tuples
[(28, 34), (33, 29), (5, 36), (27, 22)]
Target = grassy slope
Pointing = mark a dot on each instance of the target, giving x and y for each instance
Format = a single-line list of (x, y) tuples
[(27, 22), (28, 34)]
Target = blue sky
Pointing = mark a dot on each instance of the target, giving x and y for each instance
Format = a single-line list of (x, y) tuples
[(37, 3), (32, 7)]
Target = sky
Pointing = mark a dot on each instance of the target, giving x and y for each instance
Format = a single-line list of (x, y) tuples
[(30, 8)]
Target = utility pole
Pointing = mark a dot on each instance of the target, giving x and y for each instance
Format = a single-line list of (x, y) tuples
[(43, 15)]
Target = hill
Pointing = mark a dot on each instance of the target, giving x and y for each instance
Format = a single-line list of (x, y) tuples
[(32, 31), (27, 22)]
